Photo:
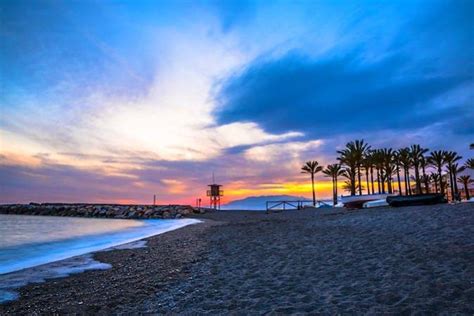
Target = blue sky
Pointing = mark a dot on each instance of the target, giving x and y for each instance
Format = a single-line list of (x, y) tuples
[(118, 100)]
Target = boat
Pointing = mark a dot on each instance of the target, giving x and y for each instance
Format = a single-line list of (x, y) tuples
[(375, 203), (417, 199), (357, 201)]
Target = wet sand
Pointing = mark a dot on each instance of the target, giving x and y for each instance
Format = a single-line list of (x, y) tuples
[(386, 260)]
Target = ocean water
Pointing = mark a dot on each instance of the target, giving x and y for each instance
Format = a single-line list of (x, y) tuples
[(36, 248), (28, 241)]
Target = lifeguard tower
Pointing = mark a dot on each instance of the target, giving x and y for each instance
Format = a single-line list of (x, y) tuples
[(214, 193)]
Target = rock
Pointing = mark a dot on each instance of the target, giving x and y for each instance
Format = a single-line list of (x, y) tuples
[(110, 211)]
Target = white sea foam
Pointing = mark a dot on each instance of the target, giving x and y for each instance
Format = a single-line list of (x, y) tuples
[(11, 281)]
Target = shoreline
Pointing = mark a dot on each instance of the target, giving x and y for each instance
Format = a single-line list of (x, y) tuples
[(47, 252), (382, 260)]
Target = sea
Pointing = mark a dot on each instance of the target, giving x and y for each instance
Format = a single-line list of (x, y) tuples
[(38, 243)]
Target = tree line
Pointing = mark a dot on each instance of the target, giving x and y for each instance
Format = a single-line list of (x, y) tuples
[(385, 170)]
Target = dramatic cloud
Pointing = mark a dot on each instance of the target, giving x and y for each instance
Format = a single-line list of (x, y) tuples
[(339, 95)]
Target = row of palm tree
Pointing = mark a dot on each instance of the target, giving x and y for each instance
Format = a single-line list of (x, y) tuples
[(359, 160)]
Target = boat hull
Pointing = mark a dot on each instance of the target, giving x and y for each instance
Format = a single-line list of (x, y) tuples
[(414, 200), (358, 201)]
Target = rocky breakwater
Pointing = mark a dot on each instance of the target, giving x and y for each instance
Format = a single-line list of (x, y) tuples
[(101, 210)]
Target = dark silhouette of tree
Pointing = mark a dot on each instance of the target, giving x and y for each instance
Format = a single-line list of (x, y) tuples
[(333, 171), (470, 163), (311, 168), (361, 148), (455, 169), (352, 157), (451, 157), (348, 157), (425, 179), (466, 180), (397, 162), (388, 167), (370, 158), (417, 153), (368, 166), (437, 159), (378, 161), (405, 160), (436, 180)]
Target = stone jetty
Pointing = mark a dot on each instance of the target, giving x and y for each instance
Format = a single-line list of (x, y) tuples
[(102, 210)]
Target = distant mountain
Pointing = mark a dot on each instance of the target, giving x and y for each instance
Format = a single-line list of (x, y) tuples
[(258, 202)]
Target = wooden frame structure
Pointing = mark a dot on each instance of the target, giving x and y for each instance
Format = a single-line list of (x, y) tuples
[(284, 205)]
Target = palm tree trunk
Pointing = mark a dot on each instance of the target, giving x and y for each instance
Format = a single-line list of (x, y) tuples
[(427, 188), (353, 182), (410, 192), (335, 192), (456, 191), (441, 187), (382, 180), (372, 178), (314, 193), (367, 179), (378, 180), (417, 180), (398, 179), (405, 180), (389, 183), (359, 178), (436, 186), (466, 190), (451, 186)]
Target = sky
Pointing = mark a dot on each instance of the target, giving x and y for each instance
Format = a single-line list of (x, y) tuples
[(115, 101)]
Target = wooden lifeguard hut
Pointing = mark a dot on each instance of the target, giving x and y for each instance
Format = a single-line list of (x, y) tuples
[(215, 193)]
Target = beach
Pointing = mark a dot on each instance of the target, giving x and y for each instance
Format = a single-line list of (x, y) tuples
[(382, 260)]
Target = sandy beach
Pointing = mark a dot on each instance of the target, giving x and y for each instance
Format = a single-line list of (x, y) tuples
[(385, 260)]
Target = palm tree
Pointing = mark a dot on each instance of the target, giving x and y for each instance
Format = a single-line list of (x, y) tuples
[(368, 165), (425, 178), (361, 149), (436, 159), (312, 167), (454, 169), (370, 158), (350, 175), (348, 158), (386, 156), (470, 163), (333, 171), (378, 161), (451, 157), (405, 160), (466, 180), (417, 153), (396, 160), (435, 178)]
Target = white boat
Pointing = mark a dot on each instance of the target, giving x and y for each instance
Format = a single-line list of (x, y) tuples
[(471, 200), (357, 201), (375, 203)]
